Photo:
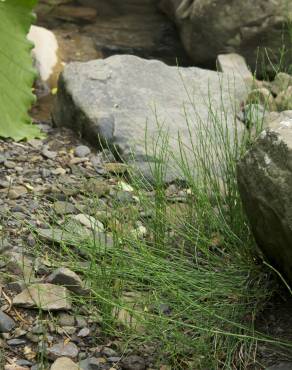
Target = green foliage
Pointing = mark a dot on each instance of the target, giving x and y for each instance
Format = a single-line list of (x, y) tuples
[(16, 71), (271, 63), (191, 287)]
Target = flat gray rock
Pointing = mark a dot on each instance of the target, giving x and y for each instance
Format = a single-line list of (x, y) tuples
[(112, 101)]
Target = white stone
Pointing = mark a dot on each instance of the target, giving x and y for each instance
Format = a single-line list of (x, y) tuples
[(156, 99), (45, 51)]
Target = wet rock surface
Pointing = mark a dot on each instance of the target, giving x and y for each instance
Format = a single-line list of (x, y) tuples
[(105, 28), (250, 25)]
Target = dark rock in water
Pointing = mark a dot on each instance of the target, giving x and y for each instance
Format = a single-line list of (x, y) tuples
[(136, 27), (265, 182), (205, 32), (155, 96)]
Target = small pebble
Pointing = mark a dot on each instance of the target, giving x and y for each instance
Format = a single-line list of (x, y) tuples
[(16, 342), (83, 332), (6, 323), (9, 164), (114, 359), (48, 154), (66, 320), (109, 352), (63, 349), (23, 362), (82, 151)]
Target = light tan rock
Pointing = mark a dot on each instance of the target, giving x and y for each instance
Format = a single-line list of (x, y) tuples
[(234, 64), (64, 363), (15, 367), (16, 192), (47, 297)]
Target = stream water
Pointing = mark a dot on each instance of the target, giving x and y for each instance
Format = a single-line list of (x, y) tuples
[(99, 28), (92, 29)]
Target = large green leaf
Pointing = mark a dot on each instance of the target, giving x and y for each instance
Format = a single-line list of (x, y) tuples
[(16, 70)]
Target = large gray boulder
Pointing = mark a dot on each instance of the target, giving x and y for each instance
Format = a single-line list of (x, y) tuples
[(212, 27), (265, 183), (112, 101)]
